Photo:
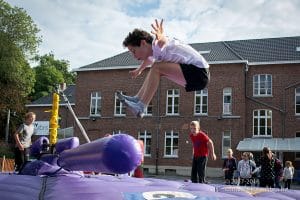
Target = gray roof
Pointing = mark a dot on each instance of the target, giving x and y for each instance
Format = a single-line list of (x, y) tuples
[(276, 144), (47, 100), (253, 51), (268, 50)]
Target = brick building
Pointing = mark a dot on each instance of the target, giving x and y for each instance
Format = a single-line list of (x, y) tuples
[(252, 101)]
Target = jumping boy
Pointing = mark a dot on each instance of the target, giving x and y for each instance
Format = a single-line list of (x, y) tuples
[(167, 57)]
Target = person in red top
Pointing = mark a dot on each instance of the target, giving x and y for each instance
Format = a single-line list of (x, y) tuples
[(202, 146), (138, 172)]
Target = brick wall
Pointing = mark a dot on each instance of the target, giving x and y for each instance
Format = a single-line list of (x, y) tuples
[(284, 79), (109, 81)]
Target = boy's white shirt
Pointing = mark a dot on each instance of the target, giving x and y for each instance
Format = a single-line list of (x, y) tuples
[(176, 51)]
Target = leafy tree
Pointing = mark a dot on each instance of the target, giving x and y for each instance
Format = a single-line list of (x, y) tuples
[(49, 73), (47, 79), (19, 28), (16, 80), (18, 41), (60, 65)]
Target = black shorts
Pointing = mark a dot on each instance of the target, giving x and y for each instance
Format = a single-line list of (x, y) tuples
[(196, 78)]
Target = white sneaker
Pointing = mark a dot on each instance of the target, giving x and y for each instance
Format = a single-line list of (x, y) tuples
[(136, 108), (123, 97)]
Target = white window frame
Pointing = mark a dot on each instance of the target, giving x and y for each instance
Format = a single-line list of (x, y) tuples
[(121, 106), (146, 136), (200, 107), (173, 96), (262, 87), (227, 106), (226, 136), (297, 154), (262, 119), (149, 109), (171, 135), (297, 105), (95, 104), (117, 132)]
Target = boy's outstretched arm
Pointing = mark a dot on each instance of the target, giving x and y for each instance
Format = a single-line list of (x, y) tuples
[(158, 31), (135, 73)]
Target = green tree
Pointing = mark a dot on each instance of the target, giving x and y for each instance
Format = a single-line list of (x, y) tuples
[(19, 28), (60, 65), (47, 79), (18, 42), (16, 81), (49, 73)]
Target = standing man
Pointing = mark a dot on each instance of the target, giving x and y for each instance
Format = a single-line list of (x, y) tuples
[(23, 140), (202, 146)]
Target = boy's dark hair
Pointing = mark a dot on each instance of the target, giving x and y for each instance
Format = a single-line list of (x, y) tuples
[(134, 38)]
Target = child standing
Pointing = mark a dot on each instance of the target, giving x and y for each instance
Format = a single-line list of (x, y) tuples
[(288, 174), (229, 165), (245, 167), (23, 140), (167, 57)]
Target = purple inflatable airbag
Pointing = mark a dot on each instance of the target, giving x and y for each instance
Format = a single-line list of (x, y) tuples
[(118, 154), (67, 143), (38, 146)]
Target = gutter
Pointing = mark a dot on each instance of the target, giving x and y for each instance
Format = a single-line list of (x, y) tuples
[(103, 68), (157, 129)]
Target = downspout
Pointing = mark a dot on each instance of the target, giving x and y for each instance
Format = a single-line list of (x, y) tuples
[(245, 91), (157, 129), (284, 103)]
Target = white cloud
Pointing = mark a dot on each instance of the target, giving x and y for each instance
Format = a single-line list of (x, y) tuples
[(86, 31)]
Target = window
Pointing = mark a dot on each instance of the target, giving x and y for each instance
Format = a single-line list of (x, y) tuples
[(227, 101), (262, 85), (201, 106), (117, 132), (173, 102), (119, 107), (262, 123), (171, 144), (297, 101), (297, 154), (148, 110), (226, 143), (146, 138), (95, 105)]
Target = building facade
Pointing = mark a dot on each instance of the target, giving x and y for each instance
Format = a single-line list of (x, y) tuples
[(252, 101)]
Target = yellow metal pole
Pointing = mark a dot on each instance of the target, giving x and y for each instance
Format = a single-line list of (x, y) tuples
[(54, 119)]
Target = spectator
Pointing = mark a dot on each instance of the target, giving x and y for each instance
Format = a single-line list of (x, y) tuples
[(245, 167), (23, 140), (267, 172), (288, 174), (255, 171), (229, 165), (278, 169), (139, 171)]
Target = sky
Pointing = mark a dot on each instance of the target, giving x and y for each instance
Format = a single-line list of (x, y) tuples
[(86, 31)]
